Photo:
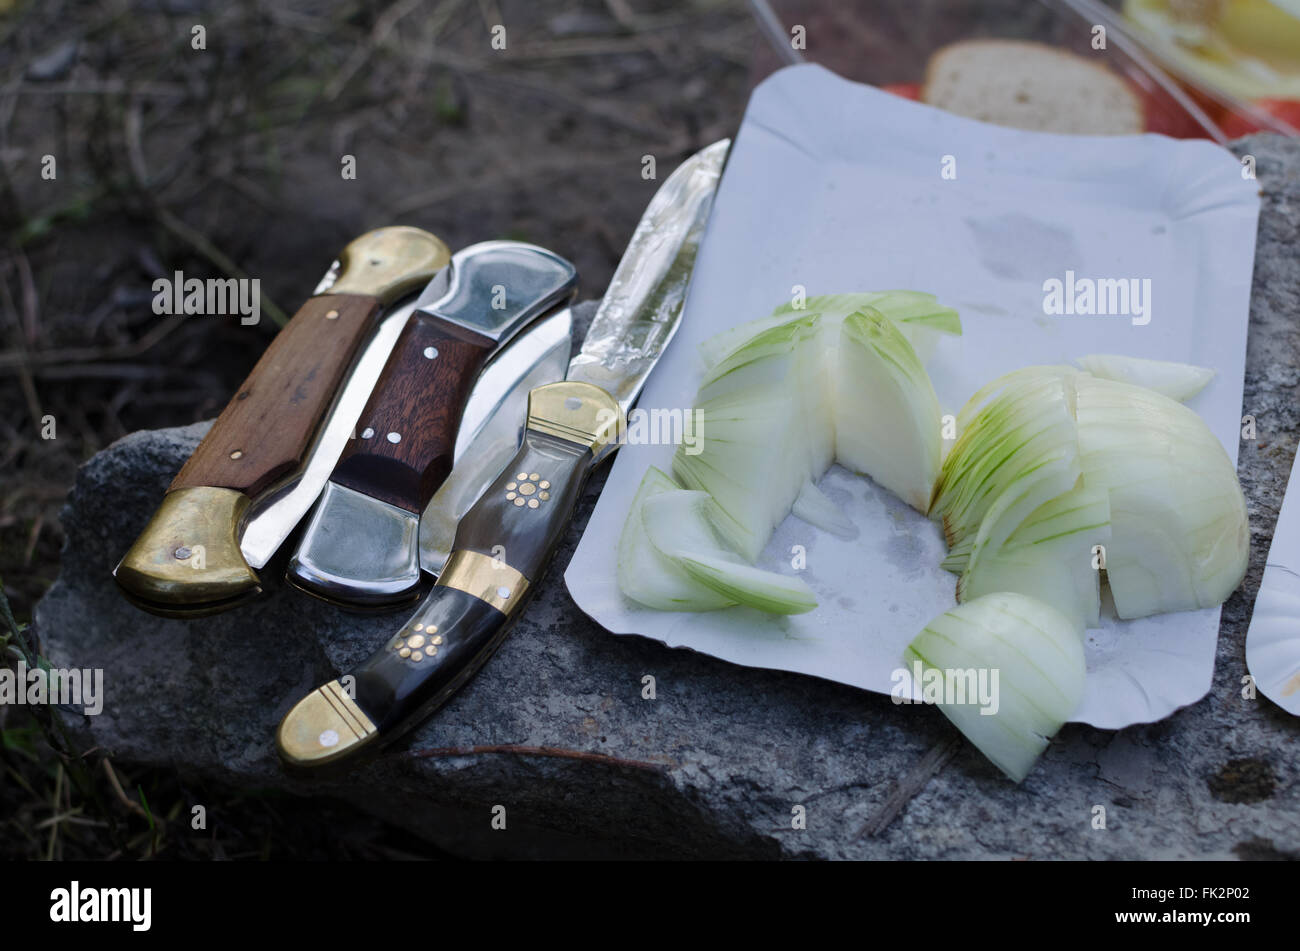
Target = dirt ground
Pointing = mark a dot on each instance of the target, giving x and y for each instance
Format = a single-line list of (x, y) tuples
[(126, 153)]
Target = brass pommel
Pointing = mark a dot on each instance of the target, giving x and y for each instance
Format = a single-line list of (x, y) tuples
[(323, 726), (187, 560)]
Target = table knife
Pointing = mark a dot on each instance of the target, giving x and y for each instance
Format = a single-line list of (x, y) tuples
[(188, 560), (360, 547), (504, 542)]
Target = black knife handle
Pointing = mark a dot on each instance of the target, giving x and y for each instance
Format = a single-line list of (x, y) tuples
[(502, 548)]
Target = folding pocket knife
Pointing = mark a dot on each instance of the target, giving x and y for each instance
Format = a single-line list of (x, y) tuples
[(197, 556)]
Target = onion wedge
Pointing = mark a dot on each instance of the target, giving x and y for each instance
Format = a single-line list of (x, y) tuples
[(887, 418), (649, 577), (1030, 656), (1178, 381), (678, 524)]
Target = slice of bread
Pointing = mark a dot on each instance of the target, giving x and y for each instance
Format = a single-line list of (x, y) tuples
[(1030, 86)]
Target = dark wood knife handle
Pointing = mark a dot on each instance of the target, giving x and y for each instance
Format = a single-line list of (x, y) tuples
[(265, 430), (503, 547), (406, 435)]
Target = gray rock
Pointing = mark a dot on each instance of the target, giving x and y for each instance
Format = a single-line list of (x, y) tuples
[(715, 765)]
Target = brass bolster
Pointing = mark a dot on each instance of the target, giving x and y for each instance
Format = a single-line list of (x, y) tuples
[(581, 413), (484, 577), (388, 262)]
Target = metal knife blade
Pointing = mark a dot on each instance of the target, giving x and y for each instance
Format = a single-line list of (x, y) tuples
[(275, 515), (360, 547), (504, 542), (642, 308)]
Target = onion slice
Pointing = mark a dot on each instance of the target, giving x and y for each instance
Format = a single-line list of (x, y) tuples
[(920, 317), (1030, 657), (649, 577), (816, 509), (1178, 381), (679, 525), (1180, 538), (887, 418)]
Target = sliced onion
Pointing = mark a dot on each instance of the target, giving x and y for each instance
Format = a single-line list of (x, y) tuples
[(678, 524), (1178, 381), (647, 576), (1049, 556), (887, 418), (1037, 653), (919, 316), (765, 431), (816, 509), (1016, 452), (1180, 538)]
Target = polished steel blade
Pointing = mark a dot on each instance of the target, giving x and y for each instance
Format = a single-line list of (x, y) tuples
[(490, 434), (642, 308), (498, 288), (274, 514)]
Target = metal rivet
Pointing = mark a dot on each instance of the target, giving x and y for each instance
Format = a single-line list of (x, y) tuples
[(519, 501), (534, 476), (394, 437), (367, 433), (182, 553), (237, 454), (430, 352), (522, 475), (332, 315), (417, 657), (433, 629), (512, 485), (438, 639), (510, 496), (431, 650), (329, 738), (405, 652), (419, 627), (503, 592), (543, 484), (527, 489), (416, 641), (533, 503), (543, 495)]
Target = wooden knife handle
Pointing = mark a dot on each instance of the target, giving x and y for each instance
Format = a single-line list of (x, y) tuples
[(406, 435), (264, 431), (503, 546)]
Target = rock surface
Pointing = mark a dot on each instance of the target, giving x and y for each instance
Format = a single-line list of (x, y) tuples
[(715, 765)]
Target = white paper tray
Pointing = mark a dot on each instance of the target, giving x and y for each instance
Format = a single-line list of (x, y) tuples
[(837, 187), (1273, 641)]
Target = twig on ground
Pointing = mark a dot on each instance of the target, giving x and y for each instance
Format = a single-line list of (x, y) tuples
[(934, 760), (509, 749)]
